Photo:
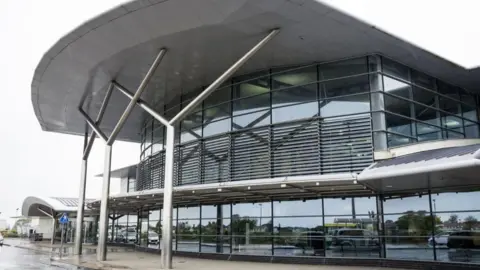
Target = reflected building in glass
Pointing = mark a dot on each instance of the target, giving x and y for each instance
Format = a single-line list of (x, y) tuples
[(369, 152)]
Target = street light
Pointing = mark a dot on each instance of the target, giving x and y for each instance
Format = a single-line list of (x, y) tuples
[(16, 212)]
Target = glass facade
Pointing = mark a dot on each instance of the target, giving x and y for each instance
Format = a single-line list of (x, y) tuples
[(256, 121), (414, 106), (316, 119), (413, 227)]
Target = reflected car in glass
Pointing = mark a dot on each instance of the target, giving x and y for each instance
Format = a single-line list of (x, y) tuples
[(313, 241), (354, 240)]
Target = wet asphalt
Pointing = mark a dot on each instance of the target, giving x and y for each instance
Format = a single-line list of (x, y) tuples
[(12, 258)]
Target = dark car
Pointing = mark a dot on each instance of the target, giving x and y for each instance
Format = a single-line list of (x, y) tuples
[(464, 240), (312, 240), (354, 239), (464, 246)]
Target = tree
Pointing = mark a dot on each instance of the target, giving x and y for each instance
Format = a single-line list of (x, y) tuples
[(469, 223), (453, 218), (239, 226), (417, 224)]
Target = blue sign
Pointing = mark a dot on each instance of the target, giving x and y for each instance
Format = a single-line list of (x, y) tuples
[(63, 219)]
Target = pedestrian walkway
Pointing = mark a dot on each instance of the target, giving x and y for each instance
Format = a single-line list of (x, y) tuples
[(146, 261), (128, 258)]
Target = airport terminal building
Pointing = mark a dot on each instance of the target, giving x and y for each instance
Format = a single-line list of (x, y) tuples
[(276, 130)]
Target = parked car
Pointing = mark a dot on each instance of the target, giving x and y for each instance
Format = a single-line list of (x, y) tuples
[(464, 246), (440, 239), (153, 238), (354, 239), (464, 240)]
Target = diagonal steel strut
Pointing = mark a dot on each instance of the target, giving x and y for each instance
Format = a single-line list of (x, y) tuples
[(98, 120), (136, 96)]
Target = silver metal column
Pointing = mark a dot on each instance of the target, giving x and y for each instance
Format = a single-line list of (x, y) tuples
[(167, 200), (54, 225), (378, 105), (87, 147), (80, 211), (103, 224)]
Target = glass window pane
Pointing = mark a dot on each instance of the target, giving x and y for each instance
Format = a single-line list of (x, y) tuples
[(220, 96), (252, 84), (398, 140), (454, 134), (297, 208), (449, 105), (397, 105), (251, 120), (398, 125), (192, 212), (294, 77), (216, 113), (467, 97), (298, 111), (469, 113), (395, 69), (452, 122), (217, 127), (448, 90), (298, 94), (345, 105), (424, 96), (191, 127), (252, 104), (343, 68), (342, 87), (471, 129), (427, 115), (423, 80), (210, 211), (299, 236), (426, 132), (396, 87)]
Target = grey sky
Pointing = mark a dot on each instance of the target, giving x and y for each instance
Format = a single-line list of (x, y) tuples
[(48, 164)]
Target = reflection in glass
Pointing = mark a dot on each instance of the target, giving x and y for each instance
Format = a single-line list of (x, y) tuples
[(398, 125), (345, 105), (251, 120), (343, 68), (396, 87)]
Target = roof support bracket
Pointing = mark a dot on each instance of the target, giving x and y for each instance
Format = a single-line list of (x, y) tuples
[(93, 125), (45, 213), (98, 120)]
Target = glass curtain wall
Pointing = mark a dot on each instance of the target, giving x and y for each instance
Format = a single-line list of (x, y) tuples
[(407, 106), (415, 227)]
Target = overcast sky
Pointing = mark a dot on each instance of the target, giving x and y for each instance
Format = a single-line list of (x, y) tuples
[(36, 163)]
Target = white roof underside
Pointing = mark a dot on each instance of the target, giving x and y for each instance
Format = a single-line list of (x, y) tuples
[(31, 205), (203, 38)]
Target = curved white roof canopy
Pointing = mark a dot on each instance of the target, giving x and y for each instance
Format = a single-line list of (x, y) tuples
[(31, 205), (203, 38)]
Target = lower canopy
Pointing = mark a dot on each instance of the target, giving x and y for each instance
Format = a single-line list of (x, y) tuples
[(449, 169), (439, 170), (284, 188)]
